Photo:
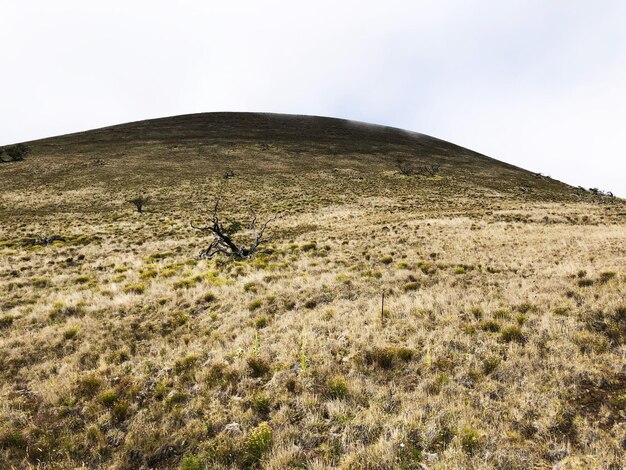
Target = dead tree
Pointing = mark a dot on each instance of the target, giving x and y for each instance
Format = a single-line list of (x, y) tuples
[(404, 167), (139, 202), (407, 169), (42, 240), (222, 238), (429, 170)]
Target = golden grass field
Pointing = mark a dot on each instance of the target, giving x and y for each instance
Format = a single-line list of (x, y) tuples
[(501, 345)]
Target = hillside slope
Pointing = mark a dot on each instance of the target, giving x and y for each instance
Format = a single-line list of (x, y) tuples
[(474, 318), (299, 153)]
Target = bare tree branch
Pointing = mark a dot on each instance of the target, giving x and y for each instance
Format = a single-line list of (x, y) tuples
[(224, 244), (404, 167), (429, 170), (407, 169)]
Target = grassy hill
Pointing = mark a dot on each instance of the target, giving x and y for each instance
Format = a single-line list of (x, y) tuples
[(304, 161), (500, 343)]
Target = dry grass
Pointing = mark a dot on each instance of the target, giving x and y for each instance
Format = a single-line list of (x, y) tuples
[(502, 343)]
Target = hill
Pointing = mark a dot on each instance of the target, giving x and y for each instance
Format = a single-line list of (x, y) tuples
[(418, 305), (349, 160)]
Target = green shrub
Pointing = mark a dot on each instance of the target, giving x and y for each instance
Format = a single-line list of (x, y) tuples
[(251, 286), (375, 274), (186, 363), (6, 321), (258, 366), (490, 325), (12, 439), (607, 276), (386, 260), (477, 312), (382, 357), (70, 333), (427, 268), (337, 387), (187, 283), (148, 274), (192, 462), (119, 412), (562, 311), (589, 342), (88, 385), (411, 286), (513, 334), (224, 449), (501, 314), (404, 354), (136, 288), (60, 310), (525, 307), (258, 443), (470, 439), (176, 397), (255, 305), (17, 152), (261, 404), (82, 279), (40, 282), (159, 256), (490, 364), (108, 398)]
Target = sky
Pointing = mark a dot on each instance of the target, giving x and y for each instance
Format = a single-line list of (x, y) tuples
[(538, 84)]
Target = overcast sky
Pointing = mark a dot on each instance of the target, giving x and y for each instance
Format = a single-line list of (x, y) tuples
[(540, 84)]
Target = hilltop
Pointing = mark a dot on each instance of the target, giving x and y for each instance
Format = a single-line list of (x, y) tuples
[(417, 304), (306, 156)]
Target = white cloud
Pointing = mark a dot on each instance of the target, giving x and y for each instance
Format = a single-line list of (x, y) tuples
[(538, 84)]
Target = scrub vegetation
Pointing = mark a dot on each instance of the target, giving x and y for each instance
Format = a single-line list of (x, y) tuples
[(500, 344)]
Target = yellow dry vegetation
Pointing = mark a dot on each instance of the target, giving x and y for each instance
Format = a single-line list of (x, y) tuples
[(501, 345)]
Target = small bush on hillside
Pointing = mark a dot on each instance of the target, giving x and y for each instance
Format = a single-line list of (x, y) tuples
[(490, 364), (258, 443), (261, 322), (513, 334), (192, 462), (140, 203), (258, 366), (108, 398), (186, 363), (70, 333), (6, 321), (337, 387), (15, 153), (491, 326), (470, 439)]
